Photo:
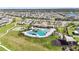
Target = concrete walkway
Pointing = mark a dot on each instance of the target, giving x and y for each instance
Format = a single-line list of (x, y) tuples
[(5, 48)]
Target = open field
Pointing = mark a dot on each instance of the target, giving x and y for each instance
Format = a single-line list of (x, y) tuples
[(16, 41), (6, 27)]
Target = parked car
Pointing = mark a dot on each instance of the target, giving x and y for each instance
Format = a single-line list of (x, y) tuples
[(76, 31)]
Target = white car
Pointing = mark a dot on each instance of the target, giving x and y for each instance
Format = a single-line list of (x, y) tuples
[(76, 32)]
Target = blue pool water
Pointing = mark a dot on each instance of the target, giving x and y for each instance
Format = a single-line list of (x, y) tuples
[(40, 32)]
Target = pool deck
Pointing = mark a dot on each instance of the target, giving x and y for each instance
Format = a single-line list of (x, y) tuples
[(50, 31)]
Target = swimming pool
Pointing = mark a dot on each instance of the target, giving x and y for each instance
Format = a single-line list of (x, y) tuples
[(38, 32)]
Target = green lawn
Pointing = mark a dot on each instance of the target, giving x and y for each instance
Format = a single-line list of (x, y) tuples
[(46, 42), (70, 30), (76, 38), (15, 41), (2, 49), (60, 29), (17, 19), (6, 27)]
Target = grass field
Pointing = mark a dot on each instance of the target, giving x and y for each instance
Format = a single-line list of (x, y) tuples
[(15, 41), (61, 29), (6, 27), (70, 30)]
